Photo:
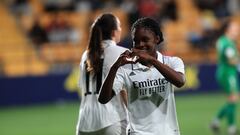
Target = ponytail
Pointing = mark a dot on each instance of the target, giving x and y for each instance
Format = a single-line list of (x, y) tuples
[(101, 30), (94, 50)]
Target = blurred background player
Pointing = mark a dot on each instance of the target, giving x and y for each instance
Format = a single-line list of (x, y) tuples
[(227, 76), (149, 82), (94, 117)]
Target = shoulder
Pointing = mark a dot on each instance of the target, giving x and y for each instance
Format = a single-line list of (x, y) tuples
[(115, 50), (124, 70), (84, 55), (110, 45), (119, 48), (172, 59), (175, 63), (83, 58)]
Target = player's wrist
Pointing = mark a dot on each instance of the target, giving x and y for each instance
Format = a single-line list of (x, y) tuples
[(153, 60)]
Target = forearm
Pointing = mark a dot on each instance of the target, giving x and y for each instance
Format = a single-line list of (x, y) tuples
[(171, 75), (106, 92)]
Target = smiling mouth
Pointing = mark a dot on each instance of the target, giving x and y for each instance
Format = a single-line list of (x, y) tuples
[(144, 50)]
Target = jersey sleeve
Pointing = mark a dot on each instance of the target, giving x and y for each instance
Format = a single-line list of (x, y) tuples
[(177, 64), (118, 83), (82, 67)]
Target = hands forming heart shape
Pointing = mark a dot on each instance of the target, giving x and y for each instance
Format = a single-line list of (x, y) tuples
[(133, 59)]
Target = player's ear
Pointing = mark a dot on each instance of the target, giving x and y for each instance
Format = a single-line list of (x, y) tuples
[(116, 35), (113, 33), (157, 39)]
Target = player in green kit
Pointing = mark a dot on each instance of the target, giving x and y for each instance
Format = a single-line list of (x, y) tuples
[(227, 77)]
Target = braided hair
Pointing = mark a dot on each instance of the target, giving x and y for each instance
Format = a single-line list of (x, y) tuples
[(150, 24)]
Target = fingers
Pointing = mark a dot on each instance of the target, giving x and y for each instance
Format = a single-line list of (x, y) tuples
[(126, 53), (133, 56), (132, 59), (125, 58)]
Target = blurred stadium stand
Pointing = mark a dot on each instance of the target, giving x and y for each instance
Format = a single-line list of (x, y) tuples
[(22, 56), (19, 55)]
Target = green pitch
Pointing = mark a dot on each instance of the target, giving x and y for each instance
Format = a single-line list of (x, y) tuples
[(194, 114)]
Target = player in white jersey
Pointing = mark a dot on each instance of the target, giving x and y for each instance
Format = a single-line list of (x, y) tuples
[(149, 79), (102, 52)]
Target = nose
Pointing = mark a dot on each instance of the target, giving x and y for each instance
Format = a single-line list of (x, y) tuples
[(139, 44)]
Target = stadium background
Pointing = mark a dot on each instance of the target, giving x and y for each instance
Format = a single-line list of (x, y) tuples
[(41, 42)]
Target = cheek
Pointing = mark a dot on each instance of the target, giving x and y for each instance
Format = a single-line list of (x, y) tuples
[(119, 35), (152, 45)]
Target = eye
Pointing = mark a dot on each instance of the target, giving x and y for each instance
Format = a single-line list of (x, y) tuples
[(145, 39), (135, 41)]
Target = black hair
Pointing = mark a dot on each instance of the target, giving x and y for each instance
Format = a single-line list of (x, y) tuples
[(101, 30), (150, 24), (224, 25)]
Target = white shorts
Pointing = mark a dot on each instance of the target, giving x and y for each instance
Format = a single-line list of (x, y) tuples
[(118, 128)]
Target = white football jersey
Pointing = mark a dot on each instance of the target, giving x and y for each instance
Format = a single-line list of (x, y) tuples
[(94, 115), (151, 101)]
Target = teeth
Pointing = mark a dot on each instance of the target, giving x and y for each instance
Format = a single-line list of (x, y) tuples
[(133, 59)]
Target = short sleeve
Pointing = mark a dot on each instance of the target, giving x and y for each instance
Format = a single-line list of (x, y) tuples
[(118, 83), (82, 69), (177, 64)]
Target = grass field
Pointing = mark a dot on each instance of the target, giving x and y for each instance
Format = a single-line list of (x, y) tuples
[(196, 112), (194, 115)]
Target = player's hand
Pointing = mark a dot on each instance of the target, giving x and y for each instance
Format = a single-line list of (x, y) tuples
[(125, 58), (143, 55)]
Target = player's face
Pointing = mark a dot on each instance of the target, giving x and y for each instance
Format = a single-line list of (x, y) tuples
[(234, 30), (145, 40)]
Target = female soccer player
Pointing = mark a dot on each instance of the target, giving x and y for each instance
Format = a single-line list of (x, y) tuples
[(149, 79), (227, 76), (102, 51)]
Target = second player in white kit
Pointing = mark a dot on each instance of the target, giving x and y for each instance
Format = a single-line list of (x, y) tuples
[(102, 52)]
